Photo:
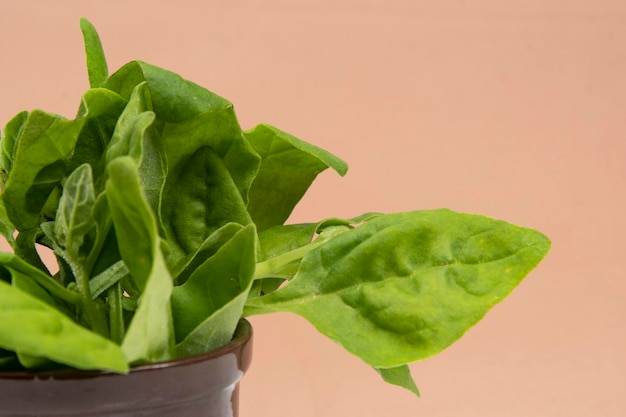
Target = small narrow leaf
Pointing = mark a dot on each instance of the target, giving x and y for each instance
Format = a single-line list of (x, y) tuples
[(97, 68), (74, 219), (400, 376)]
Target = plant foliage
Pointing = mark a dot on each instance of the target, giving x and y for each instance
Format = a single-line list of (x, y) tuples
[(167, 221)]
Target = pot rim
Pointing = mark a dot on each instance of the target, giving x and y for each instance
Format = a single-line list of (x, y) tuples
[(241, 339)]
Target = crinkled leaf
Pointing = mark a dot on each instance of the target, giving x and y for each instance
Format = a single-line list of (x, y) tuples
[(8, 142), (44, 144), (33, 327), (199, 199), (100, 108), (288, 167), (219, 130), (74, 220), (403, 287), (175, 99), (136, 136)]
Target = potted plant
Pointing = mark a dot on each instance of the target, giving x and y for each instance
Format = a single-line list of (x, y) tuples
[(167, 222)]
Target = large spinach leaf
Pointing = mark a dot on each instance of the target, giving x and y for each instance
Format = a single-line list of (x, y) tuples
[(403, 287)]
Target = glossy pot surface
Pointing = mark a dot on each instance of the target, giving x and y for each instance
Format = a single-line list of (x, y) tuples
[(201, 386)]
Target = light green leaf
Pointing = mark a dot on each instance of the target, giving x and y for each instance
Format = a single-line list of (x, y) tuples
[(96, 61), (32, 327), (288, 167), (18, 267), (136, 229), (283, 247), (403, 287)]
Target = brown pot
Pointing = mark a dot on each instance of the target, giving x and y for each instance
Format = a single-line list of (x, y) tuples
[(201, 386)]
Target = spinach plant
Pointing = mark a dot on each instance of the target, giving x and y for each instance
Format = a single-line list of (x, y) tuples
[(167, 221)]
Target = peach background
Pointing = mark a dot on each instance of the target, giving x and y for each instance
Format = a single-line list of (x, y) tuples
[(511, 109)]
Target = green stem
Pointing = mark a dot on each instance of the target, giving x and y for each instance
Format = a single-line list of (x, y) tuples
[(116, 317), (95, 318), (268, 268)]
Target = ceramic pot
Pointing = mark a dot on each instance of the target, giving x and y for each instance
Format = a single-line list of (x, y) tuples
[(201, 386)]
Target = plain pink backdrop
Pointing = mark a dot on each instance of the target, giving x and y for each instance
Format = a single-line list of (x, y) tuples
[(511, 109)]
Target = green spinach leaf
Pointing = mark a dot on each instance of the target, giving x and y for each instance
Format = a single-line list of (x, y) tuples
[(438, 274), (137, 236), (288, 167), (43, 147), (31, 326), (96, 61), (400, 376), (209, 305)]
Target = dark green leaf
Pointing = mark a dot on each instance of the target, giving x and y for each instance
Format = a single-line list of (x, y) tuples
[(8, 142), (219, 130), (107, 278), (26, 248), (197, 201), (44, 144), (100, 108), (6, 227), (136, 136), (74, 219), (209, 305), (211, 244)]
